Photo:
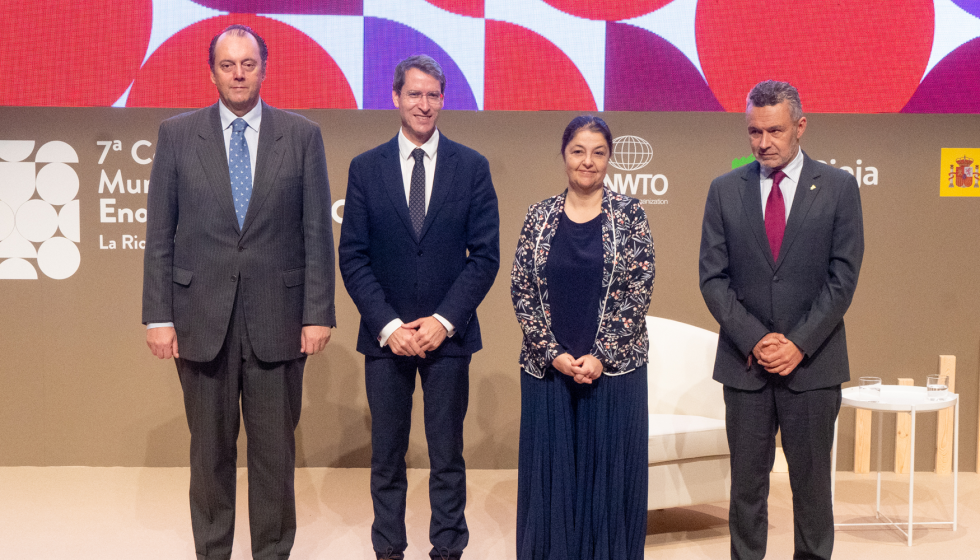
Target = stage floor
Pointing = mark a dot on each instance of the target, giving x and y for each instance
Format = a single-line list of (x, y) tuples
[(82, 513)]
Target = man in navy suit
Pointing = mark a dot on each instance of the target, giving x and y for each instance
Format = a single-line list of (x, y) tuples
[(781, 247), (238, 286), (419, 250)]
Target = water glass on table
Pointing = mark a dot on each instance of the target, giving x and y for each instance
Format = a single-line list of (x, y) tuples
[(869, 389), (937, 387)]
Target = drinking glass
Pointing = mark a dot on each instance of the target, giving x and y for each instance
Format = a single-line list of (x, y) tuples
[(869, 389), (937, 387)]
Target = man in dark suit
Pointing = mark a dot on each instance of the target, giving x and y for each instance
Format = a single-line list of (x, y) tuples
[(241, 275), (419, 249), (778, 269)]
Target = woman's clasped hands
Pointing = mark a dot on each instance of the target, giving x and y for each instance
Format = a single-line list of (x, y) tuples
[(584, 369)]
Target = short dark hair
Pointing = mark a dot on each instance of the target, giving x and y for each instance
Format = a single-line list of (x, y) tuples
[(592, 123), (771, 92), (424, 63), (239, 30)]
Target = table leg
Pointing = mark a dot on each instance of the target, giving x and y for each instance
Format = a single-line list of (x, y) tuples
[(878, 467), (956, 455), (911, 473)]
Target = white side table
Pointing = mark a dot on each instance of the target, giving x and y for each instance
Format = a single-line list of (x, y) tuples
[(901, 398)]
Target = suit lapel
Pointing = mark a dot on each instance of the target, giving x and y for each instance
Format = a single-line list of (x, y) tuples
[(752, 206), (442, 183), (391, 176), (268, 160), (214, 159), (802, 201)]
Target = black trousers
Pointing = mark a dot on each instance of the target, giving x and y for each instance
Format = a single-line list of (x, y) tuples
[(806, 421), (390, 383), (270, 395)]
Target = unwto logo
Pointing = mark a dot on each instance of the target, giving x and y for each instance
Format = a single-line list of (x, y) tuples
[(632, 153), (39, 215)]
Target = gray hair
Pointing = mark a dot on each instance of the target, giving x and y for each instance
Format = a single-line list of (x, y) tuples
[(771, 92), (422, 62)]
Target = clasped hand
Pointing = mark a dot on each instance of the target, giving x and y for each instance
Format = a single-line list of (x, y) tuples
[(418, 337), (777, 354), (583, 370)]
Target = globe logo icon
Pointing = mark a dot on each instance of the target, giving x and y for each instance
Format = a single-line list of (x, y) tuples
[(631, 153)]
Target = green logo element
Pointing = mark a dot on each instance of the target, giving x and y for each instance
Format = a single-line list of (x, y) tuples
[(739, 162)]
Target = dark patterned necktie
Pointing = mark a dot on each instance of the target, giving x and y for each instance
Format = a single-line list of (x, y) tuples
[(775, 215), (240, 169), (416, 195)]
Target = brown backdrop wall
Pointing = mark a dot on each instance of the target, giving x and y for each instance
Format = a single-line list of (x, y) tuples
[(79, 387)]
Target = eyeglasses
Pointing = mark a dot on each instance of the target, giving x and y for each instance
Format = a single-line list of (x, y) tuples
[(416, 97)]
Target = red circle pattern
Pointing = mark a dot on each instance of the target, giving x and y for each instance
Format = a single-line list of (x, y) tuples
[(608, 10), (67, 53), (844, 57), (524, 71), (299, 74)]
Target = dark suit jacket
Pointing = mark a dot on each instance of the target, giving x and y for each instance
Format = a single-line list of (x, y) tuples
[(803, 295), (391, 273), (196, 256)]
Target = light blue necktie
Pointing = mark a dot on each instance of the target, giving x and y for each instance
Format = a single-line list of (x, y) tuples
[(240, 169)]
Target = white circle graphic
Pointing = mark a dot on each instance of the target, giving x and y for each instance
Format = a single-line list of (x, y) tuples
[(56, 150), (17, 269), (58, 258), (15, 150), (69, 220), (631, 153), (7, 220), (57, 183), (16, 183), (37, 220)]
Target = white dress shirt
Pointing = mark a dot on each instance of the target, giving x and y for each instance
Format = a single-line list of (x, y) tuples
[(787, 186), (405, 149)]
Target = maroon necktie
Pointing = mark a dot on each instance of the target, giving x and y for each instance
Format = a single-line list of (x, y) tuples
[(775, 215)]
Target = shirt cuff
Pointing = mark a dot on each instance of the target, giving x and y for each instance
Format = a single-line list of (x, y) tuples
[(450, 329), (389, 328), (158, 325)]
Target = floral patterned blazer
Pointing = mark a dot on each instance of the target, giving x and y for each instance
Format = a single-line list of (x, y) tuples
[(621, 343)]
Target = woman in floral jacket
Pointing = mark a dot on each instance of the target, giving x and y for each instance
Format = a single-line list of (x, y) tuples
[(581, 287)]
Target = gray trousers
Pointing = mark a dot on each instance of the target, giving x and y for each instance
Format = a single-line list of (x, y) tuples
[(270, 395)]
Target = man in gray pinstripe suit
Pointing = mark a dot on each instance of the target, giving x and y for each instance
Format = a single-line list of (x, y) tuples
[(238, 287)]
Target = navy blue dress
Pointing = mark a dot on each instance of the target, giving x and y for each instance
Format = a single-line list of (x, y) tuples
[(582, 467)]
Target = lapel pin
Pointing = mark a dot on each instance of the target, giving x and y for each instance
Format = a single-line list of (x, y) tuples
[(813, 187)]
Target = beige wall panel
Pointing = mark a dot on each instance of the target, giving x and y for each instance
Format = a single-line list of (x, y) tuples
[(79, 387)]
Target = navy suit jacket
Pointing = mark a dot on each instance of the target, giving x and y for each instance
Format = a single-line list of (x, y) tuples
[(803, 295), (197, 258), (392, 273)]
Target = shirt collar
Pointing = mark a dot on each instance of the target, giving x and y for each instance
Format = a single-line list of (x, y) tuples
[(792, 169), (252, 118), (405, 146)]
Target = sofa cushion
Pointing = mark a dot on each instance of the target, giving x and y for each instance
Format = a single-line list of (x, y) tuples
[(676, 437)]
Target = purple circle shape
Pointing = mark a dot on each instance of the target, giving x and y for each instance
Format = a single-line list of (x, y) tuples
[(386, 43), (644, 72), (950, 87), (970, 6), (306, 7)]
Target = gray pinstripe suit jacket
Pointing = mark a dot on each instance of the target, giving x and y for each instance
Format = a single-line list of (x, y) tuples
[(803, 295), (196, 256)]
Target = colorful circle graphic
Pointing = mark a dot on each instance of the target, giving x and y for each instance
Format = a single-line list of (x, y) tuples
[(844, 57), (299, 74)]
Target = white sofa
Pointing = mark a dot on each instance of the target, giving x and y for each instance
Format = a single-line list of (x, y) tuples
[(689, 457)]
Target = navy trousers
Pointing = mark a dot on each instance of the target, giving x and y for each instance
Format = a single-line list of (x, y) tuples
[(390, 383)]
